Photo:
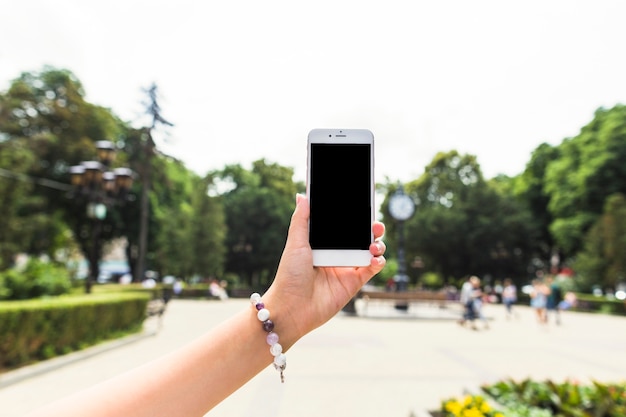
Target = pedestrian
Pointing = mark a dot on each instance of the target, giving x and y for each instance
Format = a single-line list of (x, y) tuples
[(553, 303), (471, 300), (218, 290), (194, 379), (478, 299), (509, 296), (539, 299), (178, 287), (465, 299)]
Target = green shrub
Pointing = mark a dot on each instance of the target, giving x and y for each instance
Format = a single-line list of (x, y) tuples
[(39, 329), (37, 279), (432, 280), (591, 303), (530, 398)]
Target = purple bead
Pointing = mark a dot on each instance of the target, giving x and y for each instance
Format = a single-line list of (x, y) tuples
[(271, 339), (268, 325), (260, 306)]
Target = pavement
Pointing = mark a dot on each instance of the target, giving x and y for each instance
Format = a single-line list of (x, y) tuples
[(381, 362)]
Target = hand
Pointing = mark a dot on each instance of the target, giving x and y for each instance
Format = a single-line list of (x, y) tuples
[(304, 296)]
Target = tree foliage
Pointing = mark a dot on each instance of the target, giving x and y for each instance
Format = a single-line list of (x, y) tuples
[(602, 261), (590, 167), (462, 224), (530, 189), (46, 126), (258, 207), (45, 120), (569, 199)]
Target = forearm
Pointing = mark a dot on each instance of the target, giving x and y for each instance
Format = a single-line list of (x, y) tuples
[(187, 382)]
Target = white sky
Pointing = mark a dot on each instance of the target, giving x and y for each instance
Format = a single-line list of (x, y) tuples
[(247, 79)]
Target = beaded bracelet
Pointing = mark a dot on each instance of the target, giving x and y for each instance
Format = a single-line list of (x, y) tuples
[(263, 314)]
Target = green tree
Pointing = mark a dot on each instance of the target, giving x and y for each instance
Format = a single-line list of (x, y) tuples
[(170, 246), (47, 114), (258, 207), (15, 160), (530, 188), (603, 259), (208, 231), (462, 225), (589, 169)]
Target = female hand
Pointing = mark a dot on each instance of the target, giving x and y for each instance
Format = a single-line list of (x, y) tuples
[(304, 296)]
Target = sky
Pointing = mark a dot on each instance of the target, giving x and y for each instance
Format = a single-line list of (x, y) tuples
[(243, 80)]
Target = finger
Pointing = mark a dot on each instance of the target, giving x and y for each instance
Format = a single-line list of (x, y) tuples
[(377, 264), (378, 228), (378, 248)]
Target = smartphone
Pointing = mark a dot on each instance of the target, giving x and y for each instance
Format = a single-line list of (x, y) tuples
[(340, 189)]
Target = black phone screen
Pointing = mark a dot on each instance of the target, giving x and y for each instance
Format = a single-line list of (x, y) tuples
[(340, 196)]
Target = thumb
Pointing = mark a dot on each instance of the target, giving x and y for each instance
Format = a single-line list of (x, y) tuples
[(299, 228)]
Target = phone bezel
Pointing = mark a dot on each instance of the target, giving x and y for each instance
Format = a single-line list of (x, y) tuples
[(342, 257)]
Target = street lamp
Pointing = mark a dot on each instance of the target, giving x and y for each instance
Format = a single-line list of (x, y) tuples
[(100, 188), (401, 208)]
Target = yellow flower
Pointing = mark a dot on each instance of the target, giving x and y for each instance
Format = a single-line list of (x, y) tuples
[(485, 408), (472, 412), (453, 407), (467, 401)]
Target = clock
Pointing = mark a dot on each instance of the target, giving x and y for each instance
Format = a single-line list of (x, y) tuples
[(401, 206)]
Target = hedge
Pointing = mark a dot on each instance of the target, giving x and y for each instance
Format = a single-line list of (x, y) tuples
[(40, 329)]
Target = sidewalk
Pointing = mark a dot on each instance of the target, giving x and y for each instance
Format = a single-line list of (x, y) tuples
[(389, 363)]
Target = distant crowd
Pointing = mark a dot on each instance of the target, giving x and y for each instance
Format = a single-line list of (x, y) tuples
[(546, 299)]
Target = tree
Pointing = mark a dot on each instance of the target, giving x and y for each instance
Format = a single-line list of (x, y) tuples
[(590, 168), (208, 231), (15, 160), (603, 259), (462, 225), (258, 208), (46, 113), (148, 150), (530, 188)]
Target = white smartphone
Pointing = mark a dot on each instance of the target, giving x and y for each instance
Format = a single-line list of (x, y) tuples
[(340, 189)]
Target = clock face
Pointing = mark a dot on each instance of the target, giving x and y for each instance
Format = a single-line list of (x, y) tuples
[(401, 207)]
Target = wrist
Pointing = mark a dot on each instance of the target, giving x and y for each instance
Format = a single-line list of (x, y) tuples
[(272, 338), (286, 322)]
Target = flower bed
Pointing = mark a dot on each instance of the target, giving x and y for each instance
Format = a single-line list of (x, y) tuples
[(527, 398)]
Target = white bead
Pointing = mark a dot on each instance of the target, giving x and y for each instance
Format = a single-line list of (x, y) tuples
[(255, 298), (276, 349), (280, 360), (263, 314)]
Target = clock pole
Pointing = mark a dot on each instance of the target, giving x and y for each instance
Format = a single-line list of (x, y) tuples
[(401, 208), (401, 278)]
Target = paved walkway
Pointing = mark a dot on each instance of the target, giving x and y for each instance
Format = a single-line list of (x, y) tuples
[(388, 363)]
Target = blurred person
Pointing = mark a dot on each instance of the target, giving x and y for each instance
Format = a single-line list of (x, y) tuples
[(192, 380), (509, 296), (553, 301), (465, 299), (569, 301), (178, 287), (471, 300), (479, 298), (217, 290), (539, 299)]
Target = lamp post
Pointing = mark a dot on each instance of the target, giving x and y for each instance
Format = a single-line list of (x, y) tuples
[(99, 187), (401, 208)]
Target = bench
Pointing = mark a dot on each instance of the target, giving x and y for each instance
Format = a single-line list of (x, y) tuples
[(404, 298)]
